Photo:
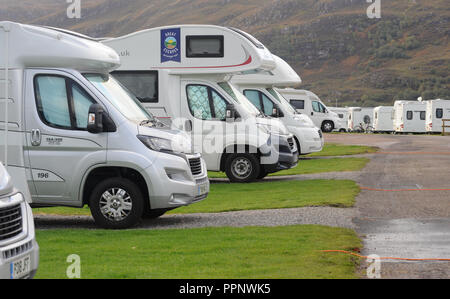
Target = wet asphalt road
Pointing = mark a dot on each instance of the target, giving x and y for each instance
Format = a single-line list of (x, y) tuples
[(402, 223)]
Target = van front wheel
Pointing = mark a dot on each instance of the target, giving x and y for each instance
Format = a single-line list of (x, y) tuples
[(327, 126), (116, 203), (242, 168)]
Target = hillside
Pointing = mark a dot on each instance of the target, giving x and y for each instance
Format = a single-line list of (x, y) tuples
[(339, 52)]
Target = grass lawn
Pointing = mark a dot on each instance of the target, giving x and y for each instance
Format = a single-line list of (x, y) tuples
[(311, 166), (258, 196), (207, 253), (333, 149)]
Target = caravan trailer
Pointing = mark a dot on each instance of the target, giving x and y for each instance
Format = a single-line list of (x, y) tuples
[(383, 119), (181, 74), (437, 110), (260, 90), (308, 103), (409, 116), (342, 113), (78, 138), (360, 119)]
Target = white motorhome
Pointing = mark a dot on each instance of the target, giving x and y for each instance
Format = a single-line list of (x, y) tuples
[(383, 119), (342, 113), (259, 88), (19, 251), (437, 110), (181, 73), (308, 103), (79, 138), (360, 119), (409, 116)]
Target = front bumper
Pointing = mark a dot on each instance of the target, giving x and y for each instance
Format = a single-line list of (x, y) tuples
[(310, 139), (172, 183), (283, 155)]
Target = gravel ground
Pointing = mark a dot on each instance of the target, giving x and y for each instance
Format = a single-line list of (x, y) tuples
[(335, 217)]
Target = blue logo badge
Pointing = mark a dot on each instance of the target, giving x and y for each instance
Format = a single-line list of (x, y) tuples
[(171, 45)]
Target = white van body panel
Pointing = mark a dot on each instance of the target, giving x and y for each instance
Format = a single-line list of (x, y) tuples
[(437, 110), (342, 114), (409, 116), (358, 115), (383, 119)]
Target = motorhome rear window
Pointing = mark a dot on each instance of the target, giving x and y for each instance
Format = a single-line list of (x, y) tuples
[(143, 84), (409, 115), (205, 46), (298, 104), (439, 113)]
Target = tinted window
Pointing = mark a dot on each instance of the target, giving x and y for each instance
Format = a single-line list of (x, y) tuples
[(316, 106), (253, 97), (62, 103), (205, 46), (144, 85), (423, 115), (409, 115), (298, 104), (198, 101), (267, 104), (439, 113)]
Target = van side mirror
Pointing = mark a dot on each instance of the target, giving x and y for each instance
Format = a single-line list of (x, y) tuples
[(276, 112), (231, 112), (99, 121)]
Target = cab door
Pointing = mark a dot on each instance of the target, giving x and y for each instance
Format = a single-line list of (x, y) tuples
[(60, 150)]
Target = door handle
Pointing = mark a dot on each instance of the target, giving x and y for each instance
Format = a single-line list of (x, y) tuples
[(36, 137)]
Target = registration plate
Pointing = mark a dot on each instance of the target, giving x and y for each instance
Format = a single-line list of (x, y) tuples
[(203, 189), (21, 267)]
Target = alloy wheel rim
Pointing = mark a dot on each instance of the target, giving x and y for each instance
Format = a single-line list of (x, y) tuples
[(241, 168), (115, 204)]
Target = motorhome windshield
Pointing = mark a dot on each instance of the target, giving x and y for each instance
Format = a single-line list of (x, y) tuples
[(119, 97), (282, 101), (240, 98)]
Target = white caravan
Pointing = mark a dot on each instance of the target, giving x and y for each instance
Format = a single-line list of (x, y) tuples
[(342, 113), (19, 251), (360, 119), (79, 138), (181, 73), (259, 88), (383, 119), (308, 103), (437, 110), (409, 116)]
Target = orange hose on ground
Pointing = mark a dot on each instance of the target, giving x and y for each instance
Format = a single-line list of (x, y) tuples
[(385, 258), (401, 190)]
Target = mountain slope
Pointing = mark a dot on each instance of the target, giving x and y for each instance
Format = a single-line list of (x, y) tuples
[(340, 53)]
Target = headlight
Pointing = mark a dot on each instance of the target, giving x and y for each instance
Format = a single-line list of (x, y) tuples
[(156, 144)]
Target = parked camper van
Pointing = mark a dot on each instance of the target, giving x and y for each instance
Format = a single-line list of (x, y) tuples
[(360, 119), (383, 119), (19, 252), (409, 116), (181, 75), (80, 139), (437, 110), (342, 113), (308, 103), (259, 88)]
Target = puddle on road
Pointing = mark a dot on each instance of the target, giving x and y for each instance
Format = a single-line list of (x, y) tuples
[(407, 238)]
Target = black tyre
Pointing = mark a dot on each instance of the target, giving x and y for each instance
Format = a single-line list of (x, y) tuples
[(262, 174), (153, 214), (116, 203), (327, 126), (242, 168)]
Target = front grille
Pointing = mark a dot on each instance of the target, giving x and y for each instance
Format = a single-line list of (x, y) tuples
[(196, 166), (7, 254), (291, 143), (10, 222)]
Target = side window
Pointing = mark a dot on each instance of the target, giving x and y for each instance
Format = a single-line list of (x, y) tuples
[(198, 100), (267, 104), (439, 113), (423, 115), (298, 104), (52, 101), (253, 97), (61, 102), (322, 108), (316, 106), (220, 106), (409, 115), (144, 85)]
